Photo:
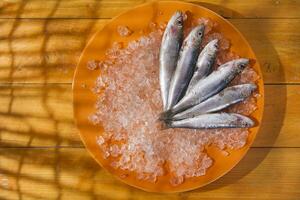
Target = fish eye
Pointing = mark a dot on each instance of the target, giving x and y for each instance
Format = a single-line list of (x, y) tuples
[(179, 22), (199, 33)]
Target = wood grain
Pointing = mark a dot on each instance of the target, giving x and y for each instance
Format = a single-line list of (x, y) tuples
[(47, 51), (41, 155), (264, 173), (36, 115), (110, 8), (42, 51)]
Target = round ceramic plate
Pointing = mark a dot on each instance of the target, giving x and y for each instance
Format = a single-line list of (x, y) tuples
[(138, 19)]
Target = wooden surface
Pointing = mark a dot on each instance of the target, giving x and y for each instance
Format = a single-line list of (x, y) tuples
[(41, 155)]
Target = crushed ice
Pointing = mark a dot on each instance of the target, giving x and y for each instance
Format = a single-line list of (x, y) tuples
[(129, 102)]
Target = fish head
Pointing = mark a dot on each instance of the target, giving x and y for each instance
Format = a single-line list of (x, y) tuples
[(176, 23), (245, 89), (252, 86), (244, 121), (241, 63), (196, 35), (213, 45)]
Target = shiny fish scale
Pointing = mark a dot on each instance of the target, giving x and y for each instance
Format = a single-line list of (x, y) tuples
[(169, 51), (211, 85), (204, 63), (224, 99), (215, 120), (189, 91), (188, 55)]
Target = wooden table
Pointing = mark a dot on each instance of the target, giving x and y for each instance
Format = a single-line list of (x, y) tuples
[(41, 155)]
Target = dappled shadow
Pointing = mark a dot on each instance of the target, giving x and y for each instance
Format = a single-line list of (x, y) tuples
[(80, 177), (40, 116), (54, 170), (43, 54), (36, 111)]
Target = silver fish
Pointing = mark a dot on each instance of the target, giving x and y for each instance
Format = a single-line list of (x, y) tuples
[(214, 120), (210, 85), (204, 63), (224, 99), (188, 55), (168, 55)]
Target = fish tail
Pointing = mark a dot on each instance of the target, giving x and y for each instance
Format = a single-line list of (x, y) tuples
[(168, 123), (163, 124), (166, 115)]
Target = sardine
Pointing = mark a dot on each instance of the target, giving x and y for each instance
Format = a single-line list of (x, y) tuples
[(209, 86), (204, 63), (169, 51), (223, 99), (214, 120), (188, 55)]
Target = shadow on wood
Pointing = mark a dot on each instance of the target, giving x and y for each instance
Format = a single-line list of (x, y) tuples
[(83, 167), (277, 111), (36, 51), (35, 107), (70, 173)]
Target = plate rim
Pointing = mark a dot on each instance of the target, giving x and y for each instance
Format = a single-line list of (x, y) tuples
[(261, 92)]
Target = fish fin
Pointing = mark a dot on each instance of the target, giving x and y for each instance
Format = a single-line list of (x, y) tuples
[(166, 115)]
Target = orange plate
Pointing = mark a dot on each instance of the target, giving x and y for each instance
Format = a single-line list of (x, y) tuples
[(138, 19)]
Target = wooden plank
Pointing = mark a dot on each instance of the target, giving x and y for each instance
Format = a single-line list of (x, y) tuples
[(35, 115), (110, 8), (42, 51), (264, 173), (46, 51), (274, 43)]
